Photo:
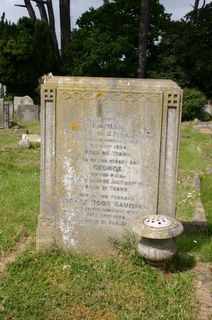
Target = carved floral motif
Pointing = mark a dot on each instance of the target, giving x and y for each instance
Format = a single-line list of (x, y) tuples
[(135, 98)]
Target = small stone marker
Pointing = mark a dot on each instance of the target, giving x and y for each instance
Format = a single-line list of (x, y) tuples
[(109, 155), (33, 137)]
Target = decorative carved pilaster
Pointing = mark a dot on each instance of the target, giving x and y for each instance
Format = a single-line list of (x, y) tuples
[(169, 153), (46, 224)]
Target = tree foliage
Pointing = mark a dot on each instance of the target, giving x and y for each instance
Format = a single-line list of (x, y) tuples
[(185, 51), (106, 42), (47, 14), (25, 54), (193, 103)]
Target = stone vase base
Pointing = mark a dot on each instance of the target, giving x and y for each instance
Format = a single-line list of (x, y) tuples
[(157, 252)]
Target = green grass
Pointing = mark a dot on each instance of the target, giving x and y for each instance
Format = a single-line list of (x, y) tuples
[(60, 285), (19, 189), (187, 195), (206, 196), (193, 145), (195, 156), (32, 127)]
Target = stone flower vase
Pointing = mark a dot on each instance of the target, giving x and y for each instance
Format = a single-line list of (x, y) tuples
[(157, 244)]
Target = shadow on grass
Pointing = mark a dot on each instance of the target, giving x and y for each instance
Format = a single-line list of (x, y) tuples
[(181, 262), (34, 145), (190, 248)]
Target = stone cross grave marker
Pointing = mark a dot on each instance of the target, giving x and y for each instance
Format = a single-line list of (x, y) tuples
[(109, 156)]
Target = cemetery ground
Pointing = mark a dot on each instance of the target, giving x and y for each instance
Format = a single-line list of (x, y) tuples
[(60, 285)]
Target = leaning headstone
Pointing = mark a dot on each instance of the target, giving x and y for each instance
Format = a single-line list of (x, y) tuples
[(24, 100), (28, 112), (109, 155)]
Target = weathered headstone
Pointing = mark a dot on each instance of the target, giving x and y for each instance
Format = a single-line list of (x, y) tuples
[(1, 113), (22, 100), (4, 114), (28, 112), (109, 156), (10, 108)]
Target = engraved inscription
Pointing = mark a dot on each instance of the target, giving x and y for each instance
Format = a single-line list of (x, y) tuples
[(108, 192)]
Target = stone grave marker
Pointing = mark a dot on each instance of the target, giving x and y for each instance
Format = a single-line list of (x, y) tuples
[(1, 113), (4, 114), (28, 112), (108, 156), (10, 108), (22, 100)]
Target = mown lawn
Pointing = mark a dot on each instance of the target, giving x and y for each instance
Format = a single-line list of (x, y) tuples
[(19, 188), (57, 285), (195, 156)]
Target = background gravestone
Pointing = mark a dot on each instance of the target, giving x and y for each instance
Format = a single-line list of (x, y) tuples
[(10, 107), (24, 100), (28, 112), (1, 113), (109, 155), (4, 114)]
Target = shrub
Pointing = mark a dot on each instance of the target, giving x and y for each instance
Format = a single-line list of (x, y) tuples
[(8, 97), (193, 103)]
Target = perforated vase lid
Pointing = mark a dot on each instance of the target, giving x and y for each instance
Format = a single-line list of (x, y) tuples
[(158, 227)]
